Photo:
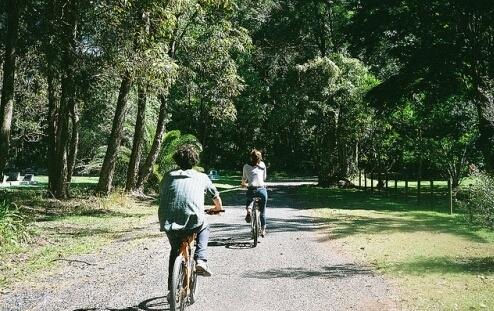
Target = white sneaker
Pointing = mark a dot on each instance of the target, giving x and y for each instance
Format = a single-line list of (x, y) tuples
[(202, 268), (263, 232)]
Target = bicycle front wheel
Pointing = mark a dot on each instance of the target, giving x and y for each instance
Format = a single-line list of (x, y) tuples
[(178, 292)]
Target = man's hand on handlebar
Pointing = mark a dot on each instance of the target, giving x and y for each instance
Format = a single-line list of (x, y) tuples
[(218, 207), (214, 211)]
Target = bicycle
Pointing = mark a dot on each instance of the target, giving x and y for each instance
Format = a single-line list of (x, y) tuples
[(255, 224), (184, 287)]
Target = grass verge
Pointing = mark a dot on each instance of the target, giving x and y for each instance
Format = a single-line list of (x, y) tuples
[(60, 229), (438, 261)]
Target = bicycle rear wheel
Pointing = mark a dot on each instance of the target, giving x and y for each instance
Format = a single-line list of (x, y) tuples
[(194, 287), (255, 224), (178, 292)]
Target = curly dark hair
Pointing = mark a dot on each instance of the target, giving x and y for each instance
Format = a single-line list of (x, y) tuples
[(186, 157)]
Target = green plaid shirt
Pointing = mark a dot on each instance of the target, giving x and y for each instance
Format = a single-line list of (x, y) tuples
[(182, 200)]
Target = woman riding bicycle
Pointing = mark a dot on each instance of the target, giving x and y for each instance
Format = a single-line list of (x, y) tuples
[(253, 176)]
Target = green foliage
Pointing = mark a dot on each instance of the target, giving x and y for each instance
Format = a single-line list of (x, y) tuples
[(165, 163), (95, 164), (320, 87), (480, 200), (440, 50), (171, 142), (13, 225), (332, 89)]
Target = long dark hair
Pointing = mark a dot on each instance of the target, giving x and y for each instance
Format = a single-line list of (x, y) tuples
[(255, 157)]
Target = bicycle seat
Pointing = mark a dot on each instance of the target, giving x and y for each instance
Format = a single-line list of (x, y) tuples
[(187, 241), (189, 238)]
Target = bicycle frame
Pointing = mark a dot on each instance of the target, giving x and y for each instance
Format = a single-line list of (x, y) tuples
[(186, 250), (184, 282)]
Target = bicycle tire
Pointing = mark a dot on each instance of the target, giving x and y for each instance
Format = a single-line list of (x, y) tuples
[(258, 218), (251, 207), (255, 224), (194, 286), (177, 291)]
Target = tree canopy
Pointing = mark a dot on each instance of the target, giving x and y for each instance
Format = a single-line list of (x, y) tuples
[(324, 88)]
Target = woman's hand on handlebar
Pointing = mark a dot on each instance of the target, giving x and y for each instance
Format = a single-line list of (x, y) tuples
[(243, 183)]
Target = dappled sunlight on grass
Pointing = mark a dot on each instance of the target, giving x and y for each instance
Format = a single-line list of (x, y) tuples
[(445, 264), (352, 222), (65, 228), (439, 261)]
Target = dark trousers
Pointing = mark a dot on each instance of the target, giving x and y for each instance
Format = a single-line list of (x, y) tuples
[(176, 237), (262, 194)]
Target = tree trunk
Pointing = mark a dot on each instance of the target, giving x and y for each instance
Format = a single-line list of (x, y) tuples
[(147, 168), (135, 156), (59, 183), (108, 168), (53, 99), (74, 141), (69, 35), (7, 100), (53, 107)]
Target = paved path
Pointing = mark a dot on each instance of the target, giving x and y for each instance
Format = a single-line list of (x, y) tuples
[(291, 269)]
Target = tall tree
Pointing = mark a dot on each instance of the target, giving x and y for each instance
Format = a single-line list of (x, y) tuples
[(149, 24), (74, 141), (147, 167), (108, 168), (7, 99), (133, 169), (69, 31), (441, 48)]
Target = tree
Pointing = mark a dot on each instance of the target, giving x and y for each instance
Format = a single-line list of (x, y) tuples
[(138, 139), (148, 23), (7, 98), (443, 48), (332, 88)]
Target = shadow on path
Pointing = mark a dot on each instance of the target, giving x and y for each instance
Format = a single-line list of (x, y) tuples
[(151, 304), (238, 236), (328, 272)]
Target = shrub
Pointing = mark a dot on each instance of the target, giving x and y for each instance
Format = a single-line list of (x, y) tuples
[(480, 200), (13, 225)]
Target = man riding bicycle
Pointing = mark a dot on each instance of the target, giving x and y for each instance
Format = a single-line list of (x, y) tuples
[(181, 209)]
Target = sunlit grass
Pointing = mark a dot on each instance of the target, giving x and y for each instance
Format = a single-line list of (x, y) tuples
[(61, 229), (75, 179), (438, 260)]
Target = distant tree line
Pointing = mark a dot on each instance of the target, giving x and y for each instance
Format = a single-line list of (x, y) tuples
[(322, 87)]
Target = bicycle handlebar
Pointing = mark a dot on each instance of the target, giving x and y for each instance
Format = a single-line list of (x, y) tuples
[(210, 211)]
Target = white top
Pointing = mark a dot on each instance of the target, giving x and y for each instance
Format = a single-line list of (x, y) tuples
[(254, 175)]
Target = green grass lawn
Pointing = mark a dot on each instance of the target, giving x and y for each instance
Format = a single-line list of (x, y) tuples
[(78, 184), (438, 261), (75, 179), (59, 229)]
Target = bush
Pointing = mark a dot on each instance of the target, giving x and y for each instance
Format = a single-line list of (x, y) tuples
[(480, 200), (13, 225)]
